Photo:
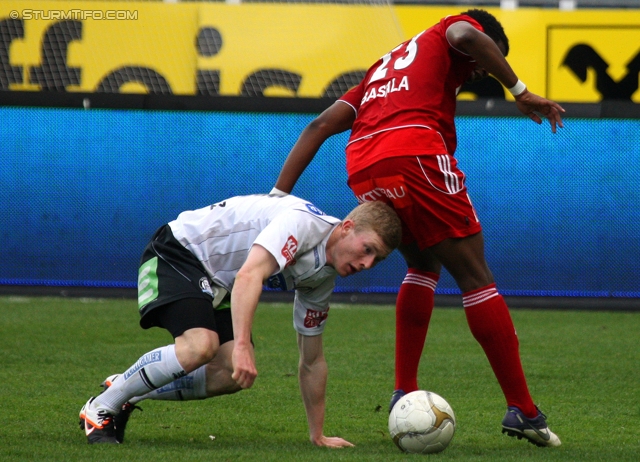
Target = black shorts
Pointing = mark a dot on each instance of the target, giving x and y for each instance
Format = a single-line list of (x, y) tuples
[(174, 290), (189, 313)]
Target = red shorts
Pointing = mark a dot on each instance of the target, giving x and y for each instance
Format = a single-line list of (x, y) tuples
[(427, 192)]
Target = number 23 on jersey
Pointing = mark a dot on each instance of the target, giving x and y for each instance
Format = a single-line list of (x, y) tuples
[(402, 62)]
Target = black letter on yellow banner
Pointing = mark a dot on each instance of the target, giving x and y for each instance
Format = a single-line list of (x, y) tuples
[(152, 80), (341, 84), (208, 43), (258, 82), (9, 29), (53, 74), (485, 88), (582, 57)]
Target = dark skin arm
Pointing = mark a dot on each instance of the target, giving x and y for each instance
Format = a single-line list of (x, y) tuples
[(336, 119), (489, 57)]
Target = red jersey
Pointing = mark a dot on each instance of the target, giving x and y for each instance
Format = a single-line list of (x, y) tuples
[(406, 103)]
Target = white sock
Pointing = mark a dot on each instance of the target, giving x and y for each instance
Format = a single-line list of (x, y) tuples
[(153, 370), (187, 388)]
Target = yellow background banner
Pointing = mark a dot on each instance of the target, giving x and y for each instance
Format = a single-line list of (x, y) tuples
[(291, 49), (541, 39)]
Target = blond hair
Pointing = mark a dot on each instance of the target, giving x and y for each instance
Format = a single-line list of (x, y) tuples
[(379, 218)]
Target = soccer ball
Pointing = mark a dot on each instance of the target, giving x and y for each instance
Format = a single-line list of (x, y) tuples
[(422, 422)]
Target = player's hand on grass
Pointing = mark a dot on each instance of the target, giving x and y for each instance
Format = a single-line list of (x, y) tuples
[(244, 368), (332, 442), (534, 106)]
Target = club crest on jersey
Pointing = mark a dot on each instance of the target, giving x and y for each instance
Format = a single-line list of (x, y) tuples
[(289, 251), (205, 286), (277, 281), (315, 318), (315, 210)]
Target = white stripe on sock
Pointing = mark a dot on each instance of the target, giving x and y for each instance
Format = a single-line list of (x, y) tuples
[(420, 280), (479, 297)]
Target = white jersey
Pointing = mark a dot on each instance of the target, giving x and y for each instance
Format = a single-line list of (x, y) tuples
[(293, 230)]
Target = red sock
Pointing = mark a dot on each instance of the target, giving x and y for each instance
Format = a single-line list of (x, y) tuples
[(413, 312), (491, 325)]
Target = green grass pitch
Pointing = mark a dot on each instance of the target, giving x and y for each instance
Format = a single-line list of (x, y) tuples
[(583, 369)]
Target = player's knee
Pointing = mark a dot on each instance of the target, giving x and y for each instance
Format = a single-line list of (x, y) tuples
[(204, 353), (197, 347)]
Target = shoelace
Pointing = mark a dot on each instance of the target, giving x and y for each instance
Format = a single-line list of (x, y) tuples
[(104, 418)]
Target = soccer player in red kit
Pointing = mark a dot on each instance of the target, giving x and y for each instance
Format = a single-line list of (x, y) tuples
[(401, 148)]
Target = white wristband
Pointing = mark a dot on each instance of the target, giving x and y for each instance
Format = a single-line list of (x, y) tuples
[(277, 192), (518, 88)]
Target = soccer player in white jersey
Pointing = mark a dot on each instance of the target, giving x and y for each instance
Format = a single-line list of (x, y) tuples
[(201, 278)]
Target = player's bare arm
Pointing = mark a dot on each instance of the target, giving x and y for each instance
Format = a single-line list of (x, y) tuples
[(487, 54), (490, 58), (312, 373), (532, 105), (260, 264), (337, 118)]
